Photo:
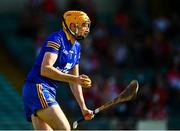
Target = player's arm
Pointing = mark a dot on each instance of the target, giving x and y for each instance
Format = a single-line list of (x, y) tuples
[(51, 72), (47, 70), (77, 92), (77, 89)]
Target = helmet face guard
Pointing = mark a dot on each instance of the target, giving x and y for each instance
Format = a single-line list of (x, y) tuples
[(78, 18)]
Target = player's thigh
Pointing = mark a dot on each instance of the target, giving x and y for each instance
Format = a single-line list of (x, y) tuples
[(54, 117), (39, 124)]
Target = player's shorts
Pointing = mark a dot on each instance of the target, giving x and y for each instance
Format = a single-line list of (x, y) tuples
[(37, 96)]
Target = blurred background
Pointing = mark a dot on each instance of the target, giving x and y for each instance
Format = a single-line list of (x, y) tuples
[(129, 39)]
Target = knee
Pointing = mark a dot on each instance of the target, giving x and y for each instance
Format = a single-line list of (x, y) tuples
[(68, 128), (65, 127)]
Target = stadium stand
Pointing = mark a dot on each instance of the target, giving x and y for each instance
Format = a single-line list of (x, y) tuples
[(21, 45), (11, 109)]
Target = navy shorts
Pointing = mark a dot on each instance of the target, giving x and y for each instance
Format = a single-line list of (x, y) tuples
[(37, 96)]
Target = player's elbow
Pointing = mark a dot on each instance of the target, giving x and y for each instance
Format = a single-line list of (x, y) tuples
[(44, 71)]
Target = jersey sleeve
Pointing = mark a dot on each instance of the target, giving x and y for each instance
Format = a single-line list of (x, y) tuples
[(53, 45)]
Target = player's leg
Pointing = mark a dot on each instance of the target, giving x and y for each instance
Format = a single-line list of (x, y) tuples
[(38, 99), (54, 117), (39, 124)]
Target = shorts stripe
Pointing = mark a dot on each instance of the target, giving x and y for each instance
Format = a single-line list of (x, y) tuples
[(41, 97)]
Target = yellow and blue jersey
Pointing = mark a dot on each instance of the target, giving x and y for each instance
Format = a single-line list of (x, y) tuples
[(68, 57), (40, 92)]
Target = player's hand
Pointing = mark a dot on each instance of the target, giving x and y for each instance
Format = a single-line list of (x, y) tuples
[(84, 81), (88, 114)]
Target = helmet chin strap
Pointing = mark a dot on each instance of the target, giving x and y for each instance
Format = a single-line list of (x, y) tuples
[(80, 37), (71, 32)]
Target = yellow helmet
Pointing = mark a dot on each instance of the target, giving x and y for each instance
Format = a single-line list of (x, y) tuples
[(78, 18)]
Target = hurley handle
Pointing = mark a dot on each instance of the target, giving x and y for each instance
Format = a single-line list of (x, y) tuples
[(75, 123)]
